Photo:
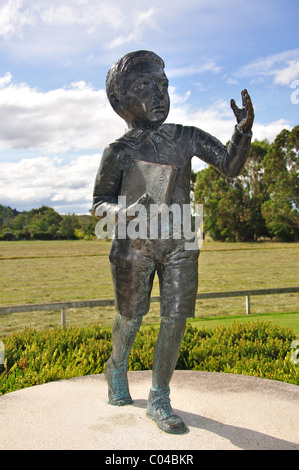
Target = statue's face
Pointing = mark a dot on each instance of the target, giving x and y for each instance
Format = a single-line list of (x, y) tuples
[(145, 98)]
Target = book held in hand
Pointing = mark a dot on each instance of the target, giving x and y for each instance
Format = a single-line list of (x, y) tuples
[(141, 177)]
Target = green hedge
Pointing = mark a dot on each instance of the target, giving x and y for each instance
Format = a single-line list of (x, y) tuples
[(260, 349)]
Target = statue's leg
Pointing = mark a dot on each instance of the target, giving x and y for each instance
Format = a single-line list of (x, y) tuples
[(166, 354), (123, 335)]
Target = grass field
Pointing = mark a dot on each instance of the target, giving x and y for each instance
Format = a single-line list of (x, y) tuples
[(49, 271)]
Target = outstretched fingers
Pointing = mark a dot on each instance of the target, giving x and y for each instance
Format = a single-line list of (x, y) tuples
[(246, 100), (244, 94), (234, 107)]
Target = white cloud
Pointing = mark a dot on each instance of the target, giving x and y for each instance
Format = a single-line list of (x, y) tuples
[(14, 15), (208, 66), (271, 130), (78, 117), (12, 19), (284, 67), (135, 27), (75, 22), (43, 180), (286, 75), (217, 119), (90, 14), (5, 79), (232, 81), (177, 99)]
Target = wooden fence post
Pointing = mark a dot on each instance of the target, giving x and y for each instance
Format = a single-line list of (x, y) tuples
[(2, 356), (247, 305), (63, 317)]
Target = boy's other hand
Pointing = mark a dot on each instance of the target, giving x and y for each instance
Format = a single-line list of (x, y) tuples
[(145, 200)]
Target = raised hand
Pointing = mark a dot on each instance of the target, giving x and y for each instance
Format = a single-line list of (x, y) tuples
[(245, 115)]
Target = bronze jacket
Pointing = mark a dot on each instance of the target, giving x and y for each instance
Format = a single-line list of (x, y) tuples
[(170, 144)]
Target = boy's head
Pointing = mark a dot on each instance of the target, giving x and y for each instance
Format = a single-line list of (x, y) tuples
[(137, 89)]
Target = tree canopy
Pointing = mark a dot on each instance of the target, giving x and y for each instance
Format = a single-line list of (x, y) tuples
[(43, 223), (263, 202)]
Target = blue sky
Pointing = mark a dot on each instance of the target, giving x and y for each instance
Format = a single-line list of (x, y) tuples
[(55, 117)]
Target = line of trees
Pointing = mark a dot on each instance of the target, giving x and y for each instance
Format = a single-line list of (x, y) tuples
[(44, 224), (262, 203)]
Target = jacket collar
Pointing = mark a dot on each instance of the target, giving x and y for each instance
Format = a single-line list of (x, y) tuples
[(135, 137)]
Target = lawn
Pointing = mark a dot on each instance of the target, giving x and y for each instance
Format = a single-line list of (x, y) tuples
[(49, 271)]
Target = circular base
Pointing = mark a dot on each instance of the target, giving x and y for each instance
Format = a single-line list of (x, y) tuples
[(222, 411)]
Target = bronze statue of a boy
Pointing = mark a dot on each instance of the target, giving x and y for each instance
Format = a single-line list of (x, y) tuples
[(137, 89)]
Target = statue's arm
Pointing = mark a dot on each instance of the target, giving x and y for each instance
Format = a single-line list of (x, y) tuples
[(230, 159), (107, 184)]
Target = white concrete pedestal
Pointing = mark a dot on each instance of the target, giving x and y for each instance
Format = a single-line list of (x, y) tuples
[(222, 411)]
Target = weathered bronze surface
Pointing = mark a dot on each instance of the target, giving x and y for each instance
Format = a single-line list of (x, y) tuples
[(137, 89)]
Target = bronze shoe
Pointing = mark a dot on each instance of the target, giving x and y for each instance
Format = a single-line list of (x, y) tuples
[(159, 410)]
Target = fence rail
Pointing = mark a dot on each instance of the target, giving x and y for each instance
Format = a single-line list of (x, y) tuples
[(63, 306)]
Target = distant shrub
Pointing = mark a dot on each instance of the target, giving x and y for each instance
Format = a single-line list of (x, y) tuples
[(260, 349), (8, 236)]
